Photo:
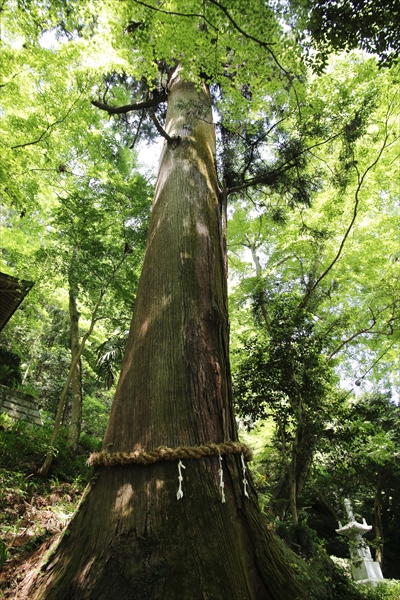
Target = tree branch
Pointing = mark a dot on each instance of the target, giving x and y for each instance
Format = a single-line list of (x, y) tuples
[(13, 77), (137, 131), (270, 176), (177, 14), (361, 180), (248, 35), (257, 141), (235, 25), (122, 110), (326, 502), (369, 330), (162, 131), (57, 122)]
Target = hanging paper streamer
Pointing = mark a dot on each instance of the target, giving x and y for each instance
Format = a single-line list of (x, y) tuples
[(221, 480), (179, 493), (245, 482)]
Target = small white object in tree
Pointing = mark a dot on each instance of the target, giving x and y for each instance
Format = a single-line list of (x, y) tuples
[(245, 482), (221, 480), (179, 493)]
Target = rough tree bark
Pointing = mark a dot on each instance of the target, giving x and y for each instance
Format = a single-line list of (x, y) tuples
[(131, 538)]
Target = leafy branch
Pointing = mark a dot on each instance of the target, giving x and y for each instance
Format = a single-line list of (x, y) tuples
[(248, 35), (175, 13), (360, 183), (270, 177), (48, 128), (235, 25), (253, 145), (13, 77), (369, 329)]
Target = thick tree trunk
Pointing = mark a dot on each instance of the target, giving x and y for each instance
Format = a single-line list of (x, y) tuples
[(76, 379), (131, 538)]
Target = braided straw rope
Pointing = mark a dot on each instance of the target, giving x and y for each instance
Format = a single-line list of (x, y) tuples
[(109, 459)]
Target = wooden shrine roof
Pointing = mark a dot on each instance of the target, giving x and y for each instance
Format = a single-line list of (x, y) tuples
[(12, 292)]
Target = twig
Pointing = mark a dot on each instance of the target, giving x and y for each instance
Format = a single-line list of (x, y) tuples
[(369, 330)]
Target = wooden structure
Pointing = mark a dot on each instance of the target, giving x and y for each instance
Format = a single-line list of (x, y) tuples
[(15, 403), (12, 292)]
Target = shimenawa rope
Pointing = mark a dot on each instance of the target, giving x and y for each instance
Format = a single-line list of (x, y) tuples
[(142, 457)]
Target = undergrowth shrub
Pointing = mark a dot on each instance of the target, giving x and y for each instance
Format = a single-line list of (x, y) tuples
[(23, 448), (388, 589), (32, 509), (95, 417), (299, 537)]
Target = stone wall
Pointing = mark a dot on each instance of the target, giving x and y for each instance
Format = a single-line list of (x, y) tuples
[(19, 405)]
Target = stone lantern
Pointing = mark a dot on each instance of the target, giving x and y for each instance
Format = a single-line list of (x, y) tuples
[(363, 568)]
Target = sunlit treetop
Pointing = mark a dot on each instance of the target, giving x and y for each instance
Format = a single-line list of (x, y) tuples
[(238, 45), (234, 45)]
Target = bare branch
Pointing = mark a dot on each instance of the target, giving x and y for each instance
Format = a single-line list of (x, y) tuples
[(258, 140), (326, 502), (137, 131), (122, 110), (162, 131)]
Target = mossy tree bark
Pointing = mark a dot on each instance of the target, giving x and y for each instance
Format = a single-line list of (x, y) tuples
[(131, 538)]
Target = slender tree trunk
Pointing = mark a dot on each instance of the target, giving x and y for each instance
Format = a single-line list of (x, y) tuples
[(131, 538), (378, 518), (76, 379), (324, 499), (294, 478), (261, 293), (292, 486)]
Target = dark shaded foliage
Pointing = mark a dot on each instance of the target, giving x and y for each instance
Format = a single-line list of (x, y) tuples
[(348, 24), (10, 372)]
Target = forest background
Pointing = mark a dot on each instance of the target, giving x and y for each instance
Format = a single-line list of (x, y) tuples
[(313, 254)]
